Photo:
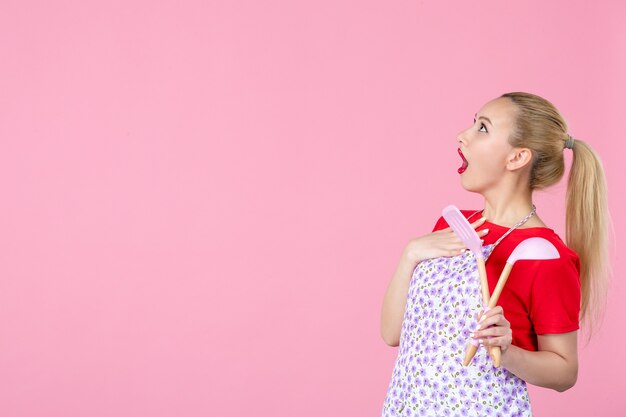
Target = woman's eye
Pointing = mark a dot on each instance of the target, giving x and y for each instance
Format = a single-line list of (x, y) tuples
[(483, 128)]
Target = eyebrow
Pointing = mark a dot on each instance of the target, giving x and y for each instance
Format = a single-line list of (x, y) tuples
[(483, 117)]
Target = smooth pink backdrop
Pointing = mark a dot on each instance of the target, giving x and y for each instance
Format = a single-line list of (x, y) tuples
[(203, 201)]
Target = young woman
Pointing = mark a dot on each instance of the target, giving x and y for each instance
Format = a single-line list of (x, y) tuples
[(431, 306)]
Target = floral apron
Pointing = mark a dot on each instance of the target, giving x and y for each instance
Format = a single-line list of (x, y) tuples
[(429, 378)]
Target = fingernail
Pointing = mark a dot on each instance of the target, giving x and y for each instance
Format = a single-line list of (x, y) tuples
[(477, 327), (472, 334), (482, 318), (482, 219), (480, 341), (486, 230)]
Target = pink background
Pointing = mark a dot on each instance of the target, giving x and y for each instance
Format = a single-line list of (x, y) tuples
[(203, 202)]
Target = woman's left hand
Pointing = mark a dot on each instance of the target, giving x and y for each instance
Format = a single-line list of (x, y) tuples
[(494, 330)]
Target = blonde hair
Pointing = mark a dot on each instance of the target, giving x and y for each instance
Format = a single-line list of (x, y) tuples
[(541, 128)]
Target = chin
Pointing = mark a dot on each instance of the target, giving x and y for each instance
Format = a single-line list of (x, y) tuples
[(466, 185), (472, 188)]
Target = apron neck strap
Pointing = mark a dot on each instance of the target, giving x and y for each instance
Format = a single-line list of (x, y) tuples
[(515, 226)]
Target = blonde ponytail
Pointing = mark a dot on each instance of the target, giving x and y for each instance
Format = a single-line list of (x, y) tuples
[(586, 228), (541, 128)]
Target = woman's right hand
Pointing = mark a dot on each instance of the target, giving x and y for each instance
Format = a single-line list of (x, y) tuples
[(437, 244), (433, 245)]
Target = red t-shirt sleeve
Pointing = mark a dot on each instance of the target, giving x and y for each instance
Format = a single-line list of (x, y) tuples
[(441, 224), (555, 294)]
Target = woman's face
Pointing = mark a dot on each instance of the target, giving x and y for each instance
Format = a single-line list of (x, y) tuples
[(485, 147)]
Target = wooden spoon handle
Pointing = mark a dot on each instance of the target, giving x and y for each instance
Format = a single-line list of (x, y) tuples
[(491, 302), (500, 285), (496, 353), (484, 284), (470, 351)]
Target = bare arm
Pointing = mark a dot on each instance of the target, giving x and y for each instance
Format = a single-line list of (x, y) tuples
[(554, 365), (394, 302)]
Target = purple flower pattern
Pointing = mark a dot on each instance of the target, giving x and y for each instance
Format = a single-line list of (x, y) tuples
[(429, 378)]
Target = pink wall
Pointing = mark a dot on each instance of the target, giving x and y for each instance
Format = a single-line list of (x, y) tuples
[(203, 202)]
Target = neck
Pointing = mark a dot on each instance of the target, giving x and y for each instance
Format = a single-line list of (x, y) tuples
[(507, 205)]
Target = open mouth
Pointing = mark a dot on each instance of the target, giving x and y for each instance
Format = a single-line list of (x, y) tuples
[(464, 166)]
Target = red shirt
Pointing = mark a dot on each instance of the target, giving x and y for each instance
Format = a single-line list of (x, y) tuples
[(540, 297)]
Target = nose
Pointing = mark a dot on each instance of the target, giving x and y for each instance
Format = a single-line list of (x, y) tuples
[(461, 137)]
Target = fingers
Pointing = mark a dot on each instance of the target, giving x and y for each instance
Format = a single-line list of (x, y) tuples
[(447, 243), (490, 313), (493, 329), (484, 313), (474, 225), (503, 341), (496, 331), (478, 222), (481, 233), (455, 252)]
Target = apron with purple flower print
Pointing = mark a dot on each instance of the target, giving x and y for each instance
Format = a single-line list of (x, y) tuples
[(429, 378)]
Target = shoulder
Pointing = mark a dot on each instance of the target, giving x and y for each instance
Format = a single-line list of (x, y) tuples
[(519, 235), (442, 223), (563, 271), (567, 257), (554, 288), (549, 276)]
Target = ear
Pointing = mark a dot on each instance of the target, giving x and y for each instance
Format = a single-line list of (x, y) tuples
[(519, 158)]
